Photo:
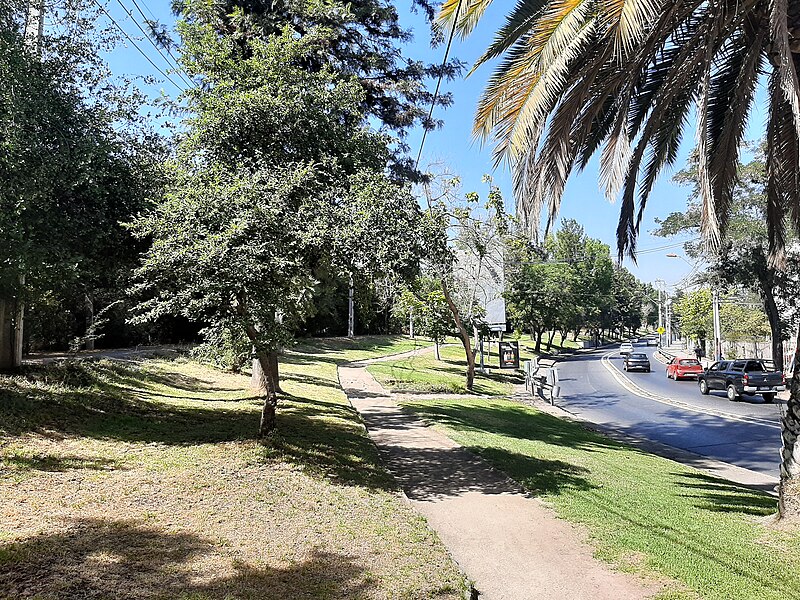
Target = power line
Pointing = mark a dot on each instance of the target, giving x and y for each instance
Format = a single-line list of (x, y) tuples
[(665, 247), (135, 45), (172, 65), (438, 83), (172, 56)]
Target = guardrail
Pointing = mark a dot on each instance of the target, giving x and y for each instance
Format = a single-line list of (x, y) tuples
[(541, 380)]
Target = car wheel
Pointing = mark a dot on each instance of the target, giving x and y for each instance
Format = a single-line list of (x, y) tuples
[(733, 395), (647, 370), (703, 387), (769, 397)]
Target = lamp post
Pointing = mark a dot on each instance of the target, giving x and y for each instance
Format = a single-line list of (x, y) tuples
[(669, 321), (715, 312), (660, 287)]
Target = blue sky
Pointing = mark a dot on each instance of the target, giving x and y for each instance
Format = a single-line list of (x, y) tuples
[(454, 146)]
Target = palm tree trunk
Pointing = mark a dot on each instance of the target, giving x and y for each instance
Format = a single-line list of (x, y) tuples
[(789, 487)]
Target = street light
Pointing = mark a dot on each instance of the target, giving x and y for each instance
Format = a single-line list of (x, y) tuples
[(659, 286), (715, 312), (669, 321)]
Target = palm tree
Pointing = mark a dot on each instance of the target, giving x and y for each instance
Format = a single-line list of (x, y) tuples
[(621, 77)]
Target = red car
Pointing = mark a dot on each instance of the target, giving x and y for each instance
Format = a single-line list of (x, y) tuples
[(684, 368)]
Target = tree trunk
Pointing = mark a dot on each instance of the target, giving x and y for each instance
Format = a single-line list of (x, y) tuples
[(575, 335), (436, 350), (6, 335), (462, 333), (258, 380), (539, 334), (267, 390), (265, 371), (89, 303), (351, 312), (789, 487), (774, 317), (550, 337), (275, 372), (19, 320)]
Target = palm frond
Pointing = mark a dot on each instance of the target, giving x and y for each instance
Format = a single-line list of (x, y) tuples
[(786, 68), (518, 25), (731, 95), (629, 21), (463, 15)]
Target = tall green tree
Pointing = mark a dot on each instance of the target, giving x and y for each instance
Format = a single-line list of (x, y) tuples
[(276, 178), (742, 261), (364, 45), (74, 163)]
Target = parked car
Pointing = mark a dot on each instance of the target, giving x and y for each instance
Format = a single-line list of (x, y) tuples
[(637, 361), (749, 376), (684, 368), (625, 348)]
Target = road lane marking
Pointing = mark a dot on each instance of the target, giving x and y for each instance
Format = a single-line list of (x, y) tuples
[(626, 383)]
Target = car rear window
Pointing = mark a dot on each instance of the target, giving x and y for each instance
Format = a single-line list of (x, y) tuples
[(754, 365), (690, 362), (638, 355)]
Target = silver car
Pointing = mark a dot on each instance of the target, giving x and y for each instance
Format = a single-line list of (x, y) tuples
[(637, 361)]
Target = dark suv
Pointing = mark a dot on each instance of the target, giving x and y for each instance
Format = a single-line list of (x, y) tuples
[(749, 376)]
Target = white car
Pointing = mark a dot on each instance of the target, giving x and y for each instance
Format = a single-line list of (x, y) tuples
[(626, 348)]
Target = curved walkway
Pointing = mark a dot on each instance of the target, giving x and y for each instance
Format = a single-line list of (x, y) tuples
[(510, 544)]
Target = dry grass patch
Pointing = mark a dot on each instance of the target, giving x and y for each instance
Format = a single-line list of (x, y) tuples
[(143, 480)]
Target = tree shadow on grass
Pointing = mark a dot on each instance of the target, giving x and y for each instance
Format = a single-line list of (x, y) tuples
[(115, 413), (306, 379), (326, 438), (100, 558), (718, 495), (539, 477), (52, 463), (329, 442), (512, 420)]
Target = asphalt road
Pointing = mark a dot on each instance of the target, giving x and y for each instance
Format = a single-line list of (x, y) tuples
[(595, 388)]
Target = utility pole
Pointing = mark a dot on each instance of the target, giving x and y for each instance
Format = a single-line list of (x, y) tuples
[(669, 321), (717, 327), (351, 313), (659, 286)]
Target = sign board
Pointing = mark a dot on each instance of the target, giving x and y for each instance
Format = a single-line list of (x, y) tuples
[(509, 355), (661, 331)]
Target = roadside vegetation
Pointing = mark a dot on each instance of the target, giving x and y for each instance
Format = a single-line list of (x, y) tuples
[(145, 480), (643, 513)]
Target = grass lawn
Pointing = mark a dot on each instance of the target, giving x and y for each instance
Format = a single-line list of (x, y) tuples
[(643, 513), (143, 480), (423, 373)]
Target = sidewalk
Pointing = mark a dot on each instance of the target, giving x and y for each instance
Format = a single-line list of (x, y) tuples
[(510, 544)]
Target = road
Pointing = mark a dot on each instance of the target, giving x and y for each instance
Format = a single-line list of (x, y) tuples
[(648, 405)]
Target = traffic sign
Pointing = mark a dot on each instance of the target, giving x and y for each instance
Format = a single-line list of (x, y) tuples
[(661, 331)]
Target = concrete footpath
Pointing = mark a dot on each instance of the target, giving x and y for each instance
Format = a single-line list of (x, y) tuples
[(510, 544)]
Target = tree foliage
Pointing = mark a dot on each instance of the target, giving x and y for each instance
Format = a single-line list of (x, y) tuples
[(363, 46), (277, 180)]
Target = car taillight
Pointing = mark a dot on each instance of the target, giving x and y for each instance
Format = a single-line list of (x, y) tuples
[(783, 378), (744, 379)]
